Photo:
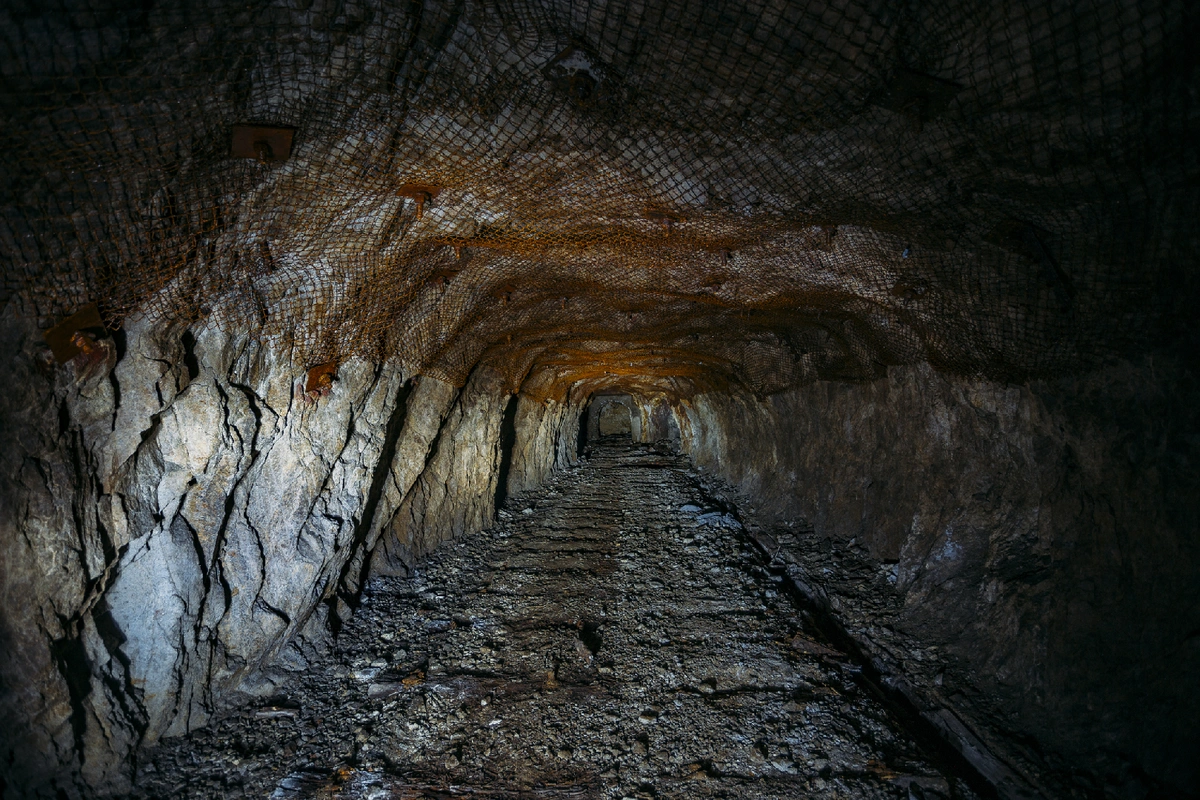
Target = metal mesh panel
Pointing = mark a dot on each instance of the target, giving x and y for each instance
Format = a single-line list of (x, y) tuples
[(672, 191)]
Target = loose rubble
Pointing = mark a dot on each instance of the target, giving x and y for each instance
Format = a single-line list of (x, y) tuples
[(613, 635)]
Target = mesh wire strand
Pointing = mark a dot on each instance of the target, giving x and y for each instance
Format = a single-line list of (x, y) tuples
[(690, 192)]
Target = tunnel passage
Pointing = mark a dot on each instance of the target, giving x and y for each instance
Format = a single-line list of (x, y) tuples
[(294, 292), (612, 636), (614, 415), (614, 420)]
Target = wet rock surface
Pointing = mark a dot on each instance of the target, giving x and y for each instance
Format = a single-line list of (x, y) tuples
[(613, 635)]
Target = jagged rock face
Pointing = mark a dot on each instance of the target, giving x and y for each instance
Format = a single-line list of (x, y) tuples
[(714, 210), (173, 523), (1041, 539), (670, 197), (614, 632)]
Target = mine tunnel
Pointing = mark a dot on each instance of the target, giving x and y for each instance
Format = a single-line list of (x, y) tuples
[(599, 399), (612, 415)]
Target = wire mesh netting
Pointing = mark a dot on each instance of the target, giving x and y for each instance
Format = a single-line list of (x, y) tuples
[(674, 190)]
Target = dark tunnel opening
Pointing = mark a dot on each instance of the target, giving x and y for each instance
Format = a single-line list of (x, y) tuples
[(581, 436), (508, 440), (614, 420)]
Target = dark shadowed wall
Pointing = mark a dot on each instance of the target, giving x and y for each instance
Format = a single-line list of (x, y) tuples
[(1043, 537)]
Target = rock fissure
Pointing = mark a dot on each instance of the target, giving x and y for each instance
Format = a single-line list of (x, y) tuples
[(922, 345), (518, 694)]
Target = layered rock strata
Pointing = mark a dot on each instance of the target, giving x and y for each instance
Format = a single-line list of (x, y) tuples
[(176, 519)]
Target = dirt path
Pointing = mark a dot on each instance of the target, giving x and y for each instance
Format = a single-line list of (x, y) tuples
[(612, 636)]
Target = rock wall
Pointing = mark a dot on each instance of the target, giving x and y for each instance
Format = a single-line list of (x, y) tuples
[(1040, 542), (176, 527), (658, 420), (546, 432), (456, 491)]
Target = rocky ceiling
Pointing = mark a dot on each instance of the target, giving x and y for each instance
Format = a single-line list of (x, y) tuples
[(662, 196), (705, 205)]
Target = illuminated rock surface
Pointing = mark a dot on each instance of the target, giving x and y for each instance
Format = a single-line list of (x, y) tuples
[(615, 635), (917, 280)]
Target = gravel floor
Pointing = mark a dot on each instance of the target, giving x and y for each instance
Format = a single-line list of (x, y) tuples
[(612, 636)]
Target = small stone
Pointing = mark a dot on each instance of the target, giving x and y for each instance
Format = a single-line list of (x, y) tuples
[(519, 663)]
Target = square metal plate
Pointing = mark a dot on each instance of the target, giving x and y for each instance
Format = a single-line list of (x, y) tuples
[(262, 142), (59, 337), (314, 375)]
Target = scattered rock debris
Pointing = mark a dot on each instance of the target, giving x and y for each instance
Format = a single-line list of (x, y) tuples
[(617, 639)]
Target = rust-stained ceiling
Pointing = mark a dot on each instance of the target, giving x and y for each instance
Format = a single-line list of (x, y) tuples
[(659, 196)]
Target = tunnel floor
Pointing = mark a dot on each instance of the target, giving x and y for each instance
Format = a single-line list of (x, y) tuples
[(614, 635)]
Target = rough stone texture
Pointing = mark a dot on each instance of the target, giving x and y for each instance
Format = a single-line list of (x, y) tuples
[(1041, 537), (545, 440), (614, 415), (456, 492), (425, 409), (209, 512), (614, 636), (694, 197), (52, 554), (658, 420), (173, 525)]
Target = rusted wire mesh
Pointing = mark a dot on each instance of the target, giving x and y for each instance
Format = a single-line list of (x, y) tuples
[(696, 192)]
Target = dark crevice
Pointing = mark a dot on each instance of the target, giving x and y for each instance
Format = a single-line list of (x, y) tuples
[(81, 480), (383, 468), (189, 355), (116, 390), (589, 634), (106, 542), (213, 569), (508, 440), (197, 546), (127, 695), (155, 422), (251, 401), (64, 418), (119, 344), (581, 437), (278, 612), (70, 657)]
